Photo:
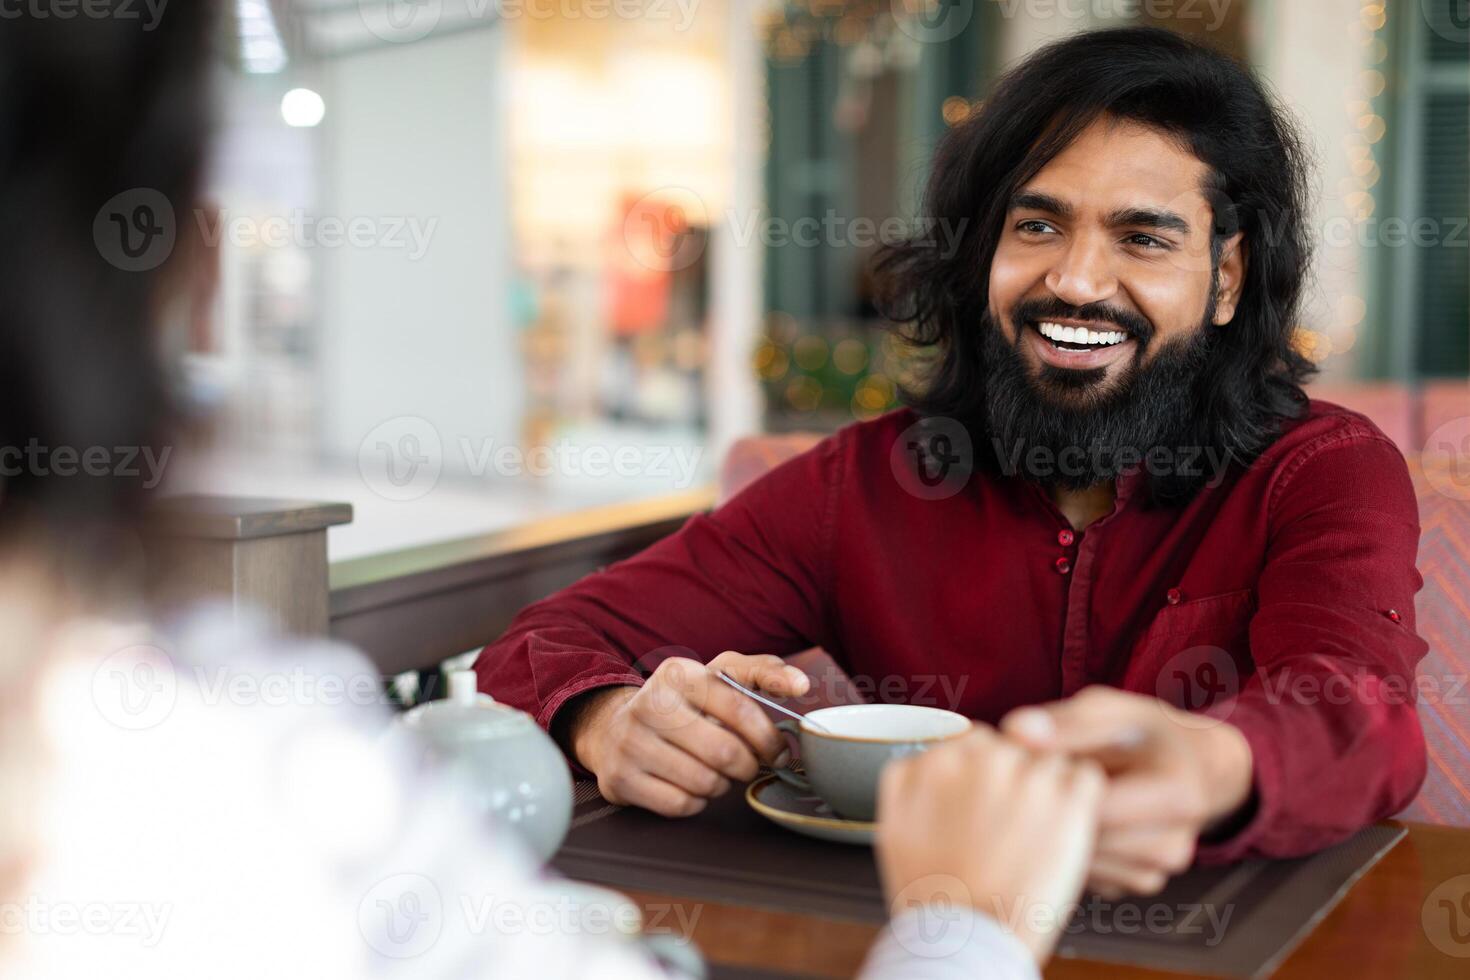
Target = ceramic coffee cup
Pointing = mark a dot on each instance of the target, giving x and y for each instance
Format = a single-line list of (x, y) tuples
[(843, 762)]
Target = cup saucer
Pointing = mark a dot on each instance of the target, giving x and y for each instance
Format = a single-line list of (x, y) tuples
[(807, 815)]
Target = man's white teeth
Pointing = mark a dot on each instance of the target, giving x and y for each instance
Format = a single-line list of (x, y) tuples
[(1081, 335)]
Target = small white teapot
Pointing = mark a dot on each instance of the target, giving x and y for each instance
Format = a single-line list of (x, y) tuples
[(501, 762)]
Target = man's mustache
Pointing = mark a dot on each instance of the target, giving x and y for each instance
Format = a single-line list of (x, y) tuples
[(1038, 310)]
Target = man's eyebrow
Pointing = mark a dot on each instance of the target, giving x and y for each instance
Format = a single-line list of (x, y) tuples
[(1159, 219), (1037, 201)]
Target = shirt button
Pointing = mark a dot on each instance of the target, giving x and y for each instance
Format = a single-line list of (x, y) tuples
[(1065, 538), (1173, 595), (1393, 614), (1063, 565)]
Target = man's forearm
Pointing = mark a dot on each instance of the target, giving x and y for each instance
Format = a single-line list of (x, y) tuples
[(577, 718), (1314, 783)]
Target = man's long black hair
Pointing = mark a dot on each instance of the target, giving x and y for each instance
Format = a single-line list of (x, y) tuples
[(1258, 178)]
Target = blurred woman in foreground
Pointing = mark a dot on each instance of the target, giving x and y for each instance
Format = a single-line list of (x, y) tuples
[(195, 834)]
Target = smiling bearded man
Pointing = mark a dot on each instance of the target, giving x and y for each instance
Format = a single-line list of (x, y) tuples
[(1110, 520)]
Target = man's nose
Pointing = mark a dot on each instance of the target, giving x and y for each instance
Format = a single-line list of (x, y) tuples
[(1083, 273)]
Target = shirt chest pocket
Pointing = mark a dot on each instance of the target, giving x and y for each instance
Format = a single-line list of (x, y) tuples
[(1196, 652)]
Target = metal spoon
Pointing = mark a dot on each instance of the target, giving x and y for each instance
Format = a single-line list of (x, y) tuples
[(771, 704)]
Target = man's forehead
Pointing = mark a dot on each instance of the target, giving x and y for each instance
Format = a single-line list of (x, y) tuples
[(1118, 165)]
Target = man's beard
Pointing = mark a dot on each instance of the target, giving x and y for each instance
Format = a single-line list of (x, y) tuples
[(1090, 429)]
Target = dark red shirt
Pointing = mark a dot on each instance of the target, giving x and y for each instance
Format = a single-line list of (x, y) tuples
[(1282, 600)]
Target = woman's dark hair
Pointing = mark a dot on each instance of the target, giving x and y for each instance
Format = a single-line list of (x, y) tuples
[(91, 107), (1258, 184)]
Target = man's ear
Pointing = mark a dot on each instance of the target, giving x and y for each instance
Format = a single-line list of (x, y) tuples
[(1231, 278)]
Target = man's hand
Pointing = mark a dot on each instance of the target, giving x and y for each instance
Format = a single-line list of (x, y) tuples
[(678, 741), (983, 822), (1172, 775)]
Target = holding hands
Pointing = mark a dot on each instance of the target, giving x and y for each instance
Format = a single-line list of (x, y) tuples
[(1172, 776), (985, 823), (1107, 787), (1134, 776)]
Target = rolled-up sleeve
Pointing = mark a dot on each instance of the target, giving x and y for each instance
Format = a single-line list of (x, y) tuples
[(751, 576), (1330, 711)]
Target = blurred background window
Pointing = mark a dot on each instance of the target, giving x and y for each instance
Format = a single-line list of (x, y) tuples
[(1426, 95), (467, 261)]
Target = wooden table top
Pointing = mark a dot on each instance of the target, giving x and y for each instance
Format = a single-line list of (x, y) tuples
[(1409, 916)]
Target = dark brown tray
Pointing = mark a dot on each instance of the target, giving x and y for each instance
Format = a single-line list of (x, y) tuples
[(729, 853)]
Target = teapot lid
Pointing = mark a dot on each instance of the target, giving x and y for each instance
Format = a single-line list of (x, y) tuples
[(466, 715)]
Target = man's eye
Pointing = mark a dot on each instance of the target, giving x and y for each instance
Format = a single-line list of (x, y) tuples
[(1146, 241), (1034, 227)]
